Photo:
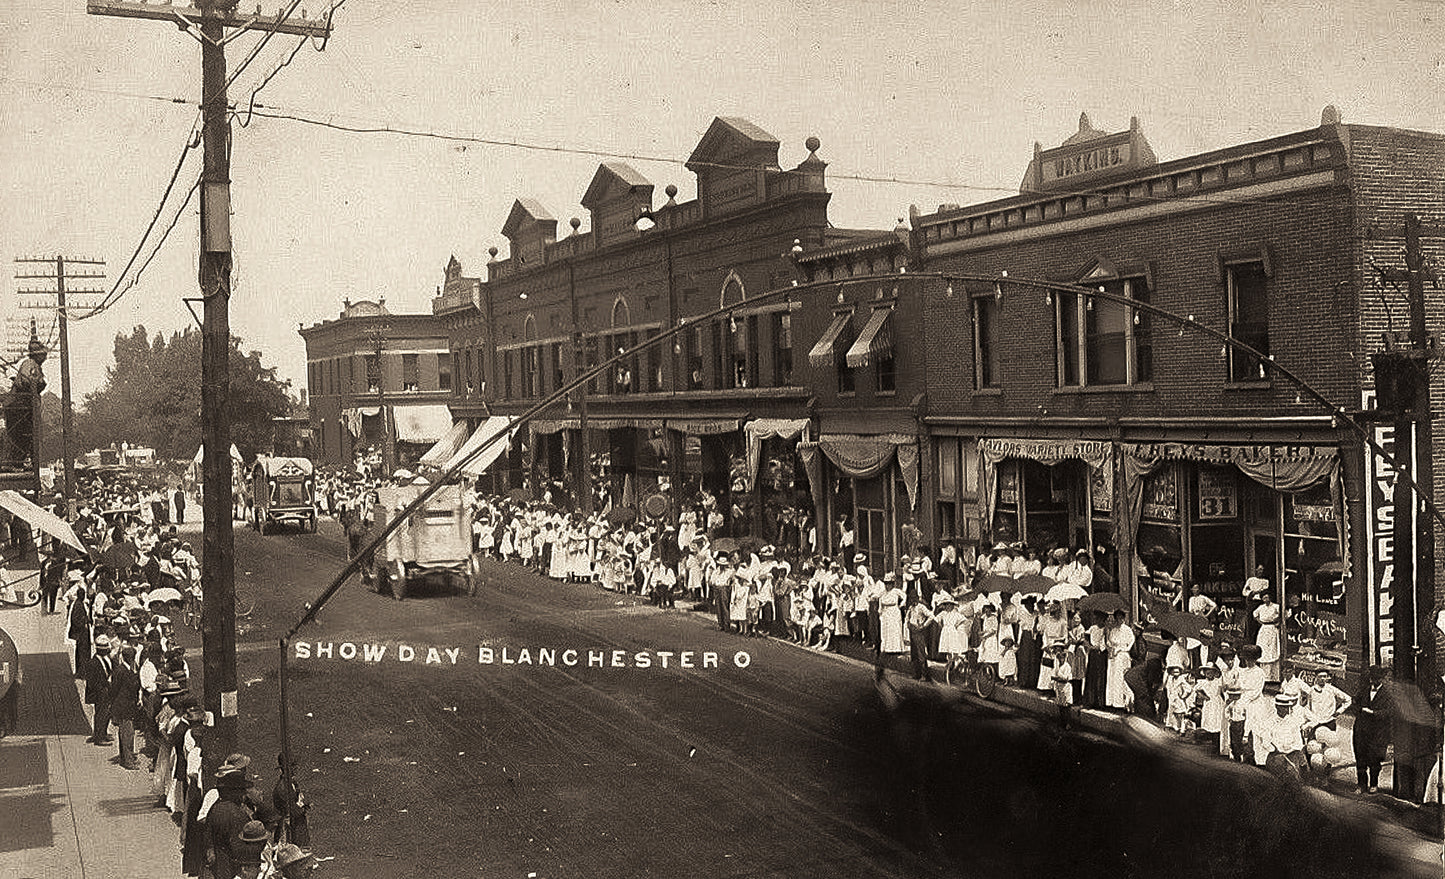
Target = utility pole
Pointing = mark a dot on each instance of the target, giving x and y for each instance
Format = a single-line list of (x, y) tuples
[(208, 22), (1402, 378), (388, 447), (61, 275)]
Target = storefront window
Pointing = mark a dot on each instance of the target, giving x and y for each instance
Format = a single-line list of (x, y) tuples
[(1006, 512), (1314, 589), (1159, 545)]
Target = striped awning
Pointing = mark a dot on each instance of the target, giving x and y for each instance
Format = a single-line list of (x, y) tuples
[(874, 343), (492, 427), (447, 446), (825, 353)]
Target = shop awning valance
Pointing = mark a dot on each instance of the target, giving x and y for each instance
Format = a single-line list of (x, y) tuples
[(617, 423), (493, 426), (863, 457), (447, 446), (553, 425), (825, 353), (703, 426), (874, 343), (1093, 452), (421, 424), (760, 429)]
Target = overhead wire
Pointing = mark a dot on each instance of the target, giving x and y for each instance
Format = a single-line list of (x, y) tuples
[(117, 290), (283, 114)]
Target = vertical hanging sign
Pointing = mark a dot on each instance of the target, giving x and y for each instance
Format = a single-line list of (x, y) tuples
[(1380, 539)]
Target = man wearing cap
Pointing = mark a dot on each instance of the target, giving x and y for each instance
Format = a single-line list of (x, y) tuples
[(97, 690)]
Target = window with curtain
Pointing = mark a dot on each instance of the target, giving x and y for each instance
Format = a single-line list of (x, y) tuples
[(985, 341), (1101, 341), (411, 372), (444, 371)]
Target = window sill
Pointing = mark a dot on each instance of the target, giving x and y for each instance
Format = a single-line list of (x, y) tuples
[(1143, 388), (885, 393), (1255, 385), (848, 394), (988, 392)]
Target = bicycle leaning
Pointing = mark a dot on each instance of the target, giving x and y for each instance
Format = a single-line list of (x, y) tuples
[(963, 670)]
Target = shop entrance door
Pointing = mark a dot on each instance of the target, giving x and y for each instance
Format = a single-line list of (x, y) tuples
[(1264, 550)]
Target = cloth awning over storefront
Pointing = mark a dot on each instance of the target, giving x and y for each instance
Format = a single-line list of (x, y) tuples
[(703, 426), (825, 353), (863, 457), (616, 423), (553, 425), (760, 429), (493, 426), (421, 424), (446, 447), (874, 343), (352, 418)]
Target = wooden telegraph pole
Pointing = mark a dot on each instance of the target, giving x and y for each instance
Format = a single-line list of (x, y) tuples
[(208, 22), (64, 271)]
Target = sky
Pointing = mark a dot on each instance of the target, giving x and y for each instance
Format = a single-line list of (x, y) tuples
[(945, 98)]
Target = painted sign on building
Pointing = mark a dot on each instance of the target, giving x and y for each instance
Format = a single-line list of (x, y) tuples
[(1380, 539)]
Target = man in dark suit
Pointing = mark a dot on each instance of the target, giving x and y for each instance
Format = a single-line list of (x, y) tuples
[(97, 689), (124, 701), (1374, 726)]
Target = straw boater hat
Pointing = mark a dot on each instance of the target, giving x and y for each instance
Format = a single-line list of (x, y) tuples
[(1286, 699), (102, 644), (859, 558)]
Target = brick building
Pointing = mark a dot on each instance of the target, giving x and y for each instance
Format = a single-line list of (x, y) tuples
[(1057, 418), (375, 377), (680, 419)]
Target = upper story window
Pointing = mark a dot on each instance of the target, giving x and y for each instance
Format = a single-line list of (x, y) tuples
[(444, 372), (410, 372), (783, 349), (531, 370), (692, 357), (373, 373), (1248, 318), (985, 341), (1103, 342), (558, 379)]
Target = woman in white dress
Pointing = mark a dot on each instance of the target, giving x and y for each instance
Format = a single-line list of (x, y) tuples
[(1119, 640), (952, 628), (890, 615), (1268, 639)]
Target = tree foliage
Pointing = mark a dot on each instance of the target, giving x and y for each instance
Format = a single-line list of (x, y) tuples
[(152, 397)]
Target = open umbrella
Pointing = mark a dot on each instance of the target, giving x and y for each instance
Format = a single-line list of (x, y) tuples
[(165, 593), (1183, 624), (519, 495), (119, 556), (1104, 602), (725, 544), (1065, 592), (1033, 583), (996, 583), (621, 515)]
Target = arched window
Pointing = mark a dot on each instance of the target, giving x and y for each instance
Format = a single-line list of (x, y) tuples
[(737, 334), (621, 314)]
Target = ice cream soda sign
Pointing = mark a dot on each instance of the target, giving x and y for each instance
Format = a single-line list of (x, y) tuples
[(498, 655)]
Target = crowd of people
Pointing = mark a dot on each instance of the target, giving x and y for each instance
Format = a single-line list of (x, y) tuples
[(938, 607), (123, 598)]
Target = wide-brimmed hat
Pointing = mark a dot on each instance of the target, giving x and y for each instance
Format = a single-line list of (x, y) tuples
[(102, 644), (254, 831), (289, 853), (1286, 699), (1001, 547), (859, 558), (236, 761)]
